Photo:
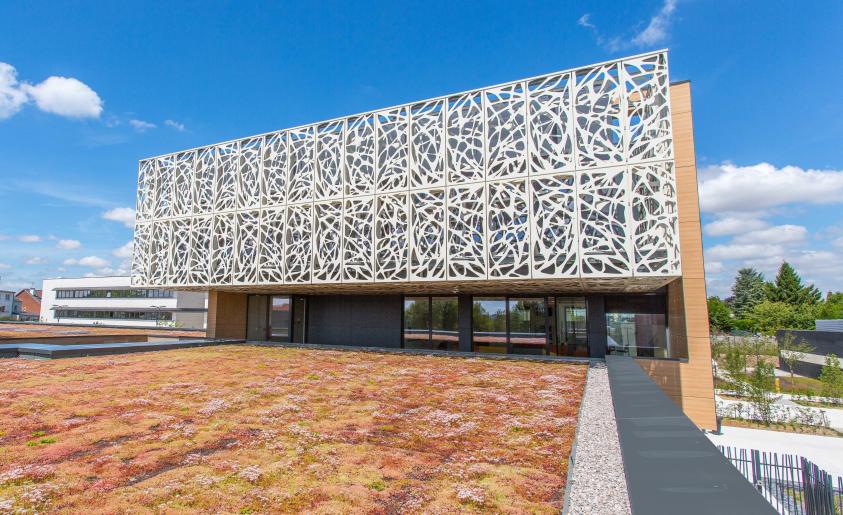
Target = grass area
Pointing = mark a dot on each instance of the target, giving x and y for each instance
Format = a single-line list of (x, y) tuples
[(800, 384), (44, 331), (242, 429), (786, 428)]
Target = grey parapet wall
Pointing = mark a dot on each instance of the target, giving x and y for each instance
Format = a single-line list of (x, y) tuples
[(823, 342), (669, 464)]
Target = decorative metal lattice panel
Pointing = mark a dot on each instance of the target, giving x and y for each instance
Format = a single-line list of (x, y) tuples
[(565, 175)]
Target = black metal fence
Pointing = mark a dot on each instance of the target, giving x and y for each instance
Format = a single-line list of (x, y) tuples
[(792, 484)]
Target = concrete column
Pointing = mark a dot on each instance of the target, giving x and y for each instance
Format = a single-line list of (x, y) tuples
[(465, 308), (227, 315), (596, 325)]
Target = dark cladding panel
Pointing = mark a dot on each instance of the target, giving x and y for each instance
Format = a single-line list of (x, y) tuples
[(356, 320)]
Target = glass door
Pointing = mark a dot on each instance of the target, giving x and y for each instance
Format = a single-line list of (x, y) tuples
[(571, 333), (299, 319), (279, 318), (256, 318)]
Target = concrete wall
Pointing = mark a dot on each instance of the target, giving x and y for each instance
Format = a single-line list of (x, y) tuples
[(371, 320)]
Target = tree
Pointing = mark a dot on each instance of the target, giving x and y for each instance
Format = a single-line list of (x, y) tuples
[(792, 352), (831, 308), (788, 288), (719, 315), (735, 365), (832, 377), (761, 385), (768, 317), (747, 291)]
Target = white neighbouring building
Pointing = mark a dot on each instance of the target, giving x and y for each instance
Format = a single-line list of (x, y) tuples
[(113, 301)]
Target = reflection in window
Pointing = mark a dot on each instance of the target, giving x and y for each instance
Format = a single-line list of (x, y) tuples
[(444, 315), (489, 324), (527, 331), (416, 323), (279, 319), (431, 323), (636, 325)]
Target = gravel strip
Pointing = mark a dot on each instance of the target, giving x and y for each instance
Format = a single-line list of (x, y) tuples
[(597, 483)]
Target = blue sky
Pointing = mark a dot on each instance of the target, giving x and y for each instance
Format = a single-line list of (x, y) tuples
[(88, 88)]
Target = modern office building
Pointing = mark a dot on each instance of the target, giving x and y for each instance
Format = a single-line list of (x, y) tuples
[(113, 301), (555, 215)]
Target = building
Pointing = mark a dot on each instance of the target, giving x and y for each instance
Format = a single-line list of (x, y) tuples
[(113, 301), (30, 304), (829, 325), (9, 305), (556, 215)]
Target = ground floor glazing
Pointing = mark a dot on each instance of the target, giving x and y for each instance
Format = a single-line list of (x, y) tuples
[(549, 325)]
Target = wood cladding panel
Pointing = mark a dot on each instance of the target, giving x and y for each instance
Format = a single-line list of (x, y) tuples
[(689, 384), (226, 315)]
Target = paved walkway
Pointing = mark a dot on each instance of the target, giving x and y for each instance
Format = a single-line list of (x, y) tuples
[(825, 451)]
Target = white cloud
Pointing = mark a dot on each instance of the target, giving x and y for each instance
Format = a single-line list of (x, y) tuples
[(65, 96), (714, 267), (742, 251), (29, 238), (175, 125), (784, 234), (140, 125), (658, 29), (11, 96), (733, 225), (751, 188), (37, 260), (4, 266), (125, 251), (3, 237), (837, 242), (583, 21), (68, 244), (89, 261), (124, 215)]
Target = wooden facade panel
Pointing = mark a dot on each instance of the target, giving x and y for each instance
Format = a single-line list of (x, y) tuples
[(689, 383), (226, 315)]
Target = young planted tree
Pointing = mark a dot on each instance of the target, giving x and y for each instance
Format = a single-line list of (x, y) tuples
[(735, 365), (788, 288), (792, 352), (747, 291), (831, 377), (761, 385)]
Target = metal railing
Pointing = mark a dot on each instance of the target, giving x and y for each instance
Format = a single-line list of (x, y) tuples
[(791, 484)]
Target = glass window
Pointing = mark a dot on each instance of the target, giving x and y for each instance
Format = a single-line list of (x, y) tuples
[(636, 325), (416, 322), (489, 324), (527, 330), (571, 332), (279, 319), (444, 313)]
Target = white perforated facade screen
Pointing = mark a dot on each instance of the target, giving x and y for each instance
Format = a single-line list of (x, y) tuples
[(567, 175)]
